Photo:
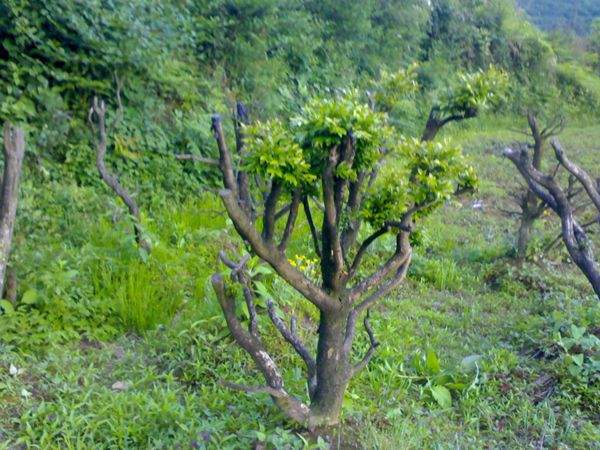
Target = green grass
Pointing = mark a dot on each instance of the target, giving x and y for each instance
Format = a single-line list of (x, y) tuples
[(105, 315)]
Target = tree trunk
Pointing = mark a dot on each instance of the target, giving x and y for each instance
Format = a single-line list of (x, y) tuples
[(524, 237), (431, 130), (332, 371), (14, 149)]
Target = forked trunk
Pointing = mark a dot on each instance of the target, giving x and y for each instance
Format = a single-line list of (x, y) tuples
[(332, 371)]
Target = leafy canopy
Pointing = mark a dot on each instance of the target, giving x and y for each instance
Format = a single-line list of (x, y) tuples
[(273, 153), (424, 175), (418, 174), (325, 122), (475, 92)]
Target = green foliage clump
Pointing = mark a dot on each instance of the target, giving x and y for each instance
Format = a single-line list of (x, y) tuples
[(326, 122), (392, 87), (475, 92), (425, 175), (272, 153)]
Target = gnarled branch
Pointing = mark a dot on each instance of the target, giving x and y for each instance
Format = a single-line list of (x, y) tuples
[(290, 336), (295, 409), (99, 110)]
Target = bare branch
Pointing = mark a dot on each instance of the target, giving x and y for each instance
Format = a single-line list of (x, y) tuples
[(270, 209), (311, 225), (573, 234), (289, 226), (291, 337), (238, 274), (225, 162), (373, 344), (99, 110), (398, 264), (289, 405), (582, 176), (363, 249)]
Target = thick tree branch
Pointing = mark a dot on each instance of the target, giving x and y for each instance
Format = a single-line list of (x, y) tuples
[(311, 225), (14, 151), (270, 254), (588, 183), (332, 260), (295, 409), (225, 161), (270, 210), (291, 221), (240, 119)]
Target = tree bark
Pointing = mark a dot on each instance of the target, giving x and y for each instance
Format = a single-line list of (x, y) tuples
[(14, 150), (524, 237), (332, 371)]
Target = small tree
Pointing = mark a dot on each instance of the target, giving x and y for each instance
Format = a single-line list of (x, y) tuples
[(331, 152), (559, 199), (465, 100), (530, 205)]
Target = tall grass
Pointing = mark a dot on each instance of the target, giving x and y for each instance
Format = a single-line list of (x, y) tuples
[(141, 297)]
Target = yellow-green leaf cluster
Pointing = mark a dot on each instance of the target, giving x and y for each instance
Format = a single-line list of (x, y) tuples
[(425, 175), (475, 92), (272, 153), (325, 122)]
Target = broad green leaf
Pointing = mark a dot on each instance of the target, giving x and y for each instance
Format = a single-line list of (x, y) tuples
[(7, 306), (29, 297), (442, 396), (432, 362)]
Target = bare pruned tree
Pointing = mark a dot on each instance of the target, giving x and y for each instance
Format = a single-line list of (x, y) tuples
[(531, 207), (98, 112), (339, 174), (548, 189), (14, 151)]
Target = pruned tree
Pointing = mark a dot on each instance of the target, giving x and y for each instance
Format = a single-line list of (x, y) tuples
[(14, 151), (465, 100), (97, 119), (548, 189), (531, 207), (327, 156)]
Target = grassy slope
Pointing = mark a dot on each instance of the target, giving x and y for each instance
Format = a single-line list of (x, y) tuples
[(460, 300)]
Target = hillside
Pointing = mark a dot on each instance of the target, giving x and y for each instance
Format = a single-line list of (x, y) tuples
[(574, 15)]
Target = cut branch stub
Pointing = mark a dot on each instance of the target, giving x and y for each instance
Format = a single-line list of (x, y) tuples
[(14, 151)]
